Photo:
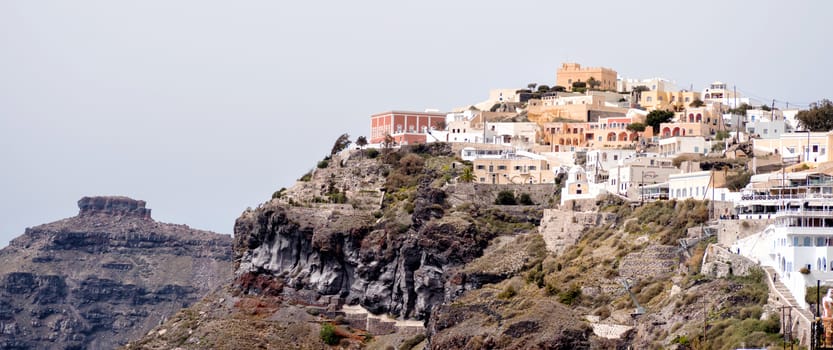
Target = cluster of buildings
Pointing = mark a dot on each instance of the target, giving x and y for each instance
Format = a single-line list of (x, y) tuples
[(590, 129)]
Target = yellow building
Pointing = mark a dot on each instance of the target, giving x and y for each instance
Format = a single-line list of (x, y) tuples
[(701, 121), (570, 73), (512, 170), (585, 108), (667, 100), (799, 147), (560, 134)]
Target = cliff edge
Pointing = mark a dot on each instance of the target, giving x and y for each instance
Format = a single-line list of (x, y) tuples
[(103, 277)]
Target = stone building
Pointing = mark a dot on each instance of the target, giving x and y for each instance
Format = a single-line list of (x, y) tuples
[(570, 73)]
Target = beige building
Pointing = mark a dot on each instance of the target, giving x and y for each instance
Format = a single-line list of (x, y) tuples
[(793, 147), (701, 121), (513, 170), (667, 100), (587, 108), (570, 73)]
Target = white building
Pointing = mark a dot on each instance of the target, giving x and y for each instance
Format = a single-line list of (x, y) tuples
[(578, 187), (717, 92), (472, 153), (676, 145), (628, 177), (518, 134), (654, 84), (799, 243), (598, 161), (696, 185)]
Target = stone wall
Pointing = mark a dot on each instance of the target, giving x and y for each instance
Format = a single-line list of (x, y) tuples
[(719, 262), (541, 194), (652, 262), (561, 229), (729, 231)]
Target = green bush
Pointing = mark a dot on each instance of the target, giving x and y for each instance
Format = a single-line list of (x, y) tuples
[(338, 197), (524, 199), (536, 275), (372, 153), (811, 293), (306, 177), (328, 334), (507, 292), (570, 296), (278, 193), (323, 164), (738, 181), (505, 198)]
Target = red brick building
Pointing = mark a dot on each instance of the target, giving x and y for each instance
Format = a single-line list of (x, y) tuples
[(405, 127)]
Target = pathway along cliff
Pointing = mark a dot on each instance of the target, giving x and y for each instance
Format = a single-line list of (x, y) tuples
[(103, 277)]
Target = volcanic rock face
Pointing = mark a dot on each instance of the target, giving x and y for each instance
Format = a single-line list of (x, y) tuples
[(103, 277), (398, 265), (340, 253), (113, 206)]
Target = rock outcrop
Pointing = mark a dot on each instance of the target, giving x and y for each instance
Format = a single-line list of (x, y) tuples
[(399, 257), (401, 270), (103, 277)]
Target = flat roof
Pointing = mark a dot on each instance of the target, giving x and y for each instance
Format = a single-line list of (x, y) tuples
[(439, 114)]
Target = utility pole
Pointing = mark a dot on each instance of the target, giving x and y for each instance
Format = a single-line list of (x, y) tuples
[(705, 318), (737, 128)]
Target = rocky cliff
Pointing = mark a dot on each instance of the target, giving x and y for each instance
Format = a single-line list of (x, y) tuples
[(392, 251), (103, 277), (399, 263)]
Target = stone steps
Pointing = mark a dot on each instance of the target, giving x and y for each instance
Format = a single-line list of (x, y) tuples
[(784, 293)]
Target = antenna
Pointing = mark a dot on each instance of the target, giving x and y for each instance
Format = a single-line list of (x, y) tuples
[(639, 309)]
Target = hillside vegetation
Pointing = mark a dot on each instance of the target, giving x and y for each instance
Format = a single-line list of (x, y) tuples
[(400, 232)]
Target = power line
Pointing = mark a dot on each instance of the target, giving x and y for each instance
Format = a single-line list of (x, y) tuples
[(762, 99)]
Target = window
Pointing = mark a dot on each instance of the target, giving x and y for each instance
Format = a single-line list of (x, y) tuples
[(481, 167), (766, 131), (648, 99), (531, 167), (795, 241), (808, 242), (696, 149), (518, 167), (482, 179), (501, 167), (820, 242), (815, 148), (687, 99)]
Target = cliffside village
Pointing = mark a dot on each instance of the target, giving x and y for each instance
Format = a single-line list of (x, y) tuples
[(593, 126)]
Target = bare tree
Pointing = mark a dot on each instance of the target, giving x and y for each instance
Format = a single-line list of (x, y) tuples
[(341, 143)]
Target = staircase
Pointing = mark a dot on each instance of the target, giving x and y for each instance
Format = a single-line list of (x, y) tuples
[(802, 318)]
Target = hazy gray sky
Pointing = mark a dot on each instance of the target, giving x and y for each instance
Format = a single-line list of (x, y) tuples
[(203, 108)]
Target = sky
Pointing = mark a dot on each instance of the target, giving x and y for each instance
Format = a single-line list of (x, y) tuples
[(203, 108)]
